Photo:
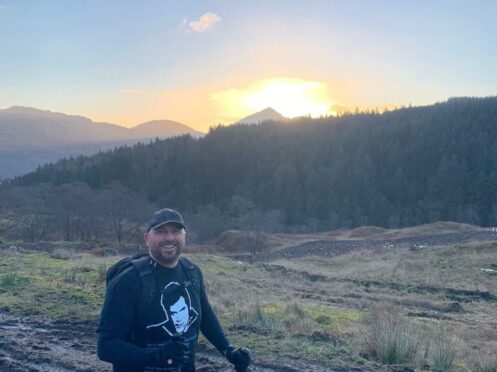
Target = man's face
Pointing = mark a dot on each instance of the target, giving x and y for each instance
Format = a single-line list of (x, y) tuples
[(166, 243), (180, 314)]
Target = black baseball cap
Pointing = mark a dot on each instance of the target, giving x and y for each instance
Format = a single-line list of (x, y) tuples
[(164, 216)]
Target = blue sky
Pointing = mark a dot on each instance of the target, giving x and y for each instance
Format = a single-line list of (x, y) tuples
[(127, 62)]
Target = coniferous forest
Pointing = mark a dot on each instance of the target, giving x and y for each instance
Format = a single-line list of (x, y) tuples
[(394, 169)]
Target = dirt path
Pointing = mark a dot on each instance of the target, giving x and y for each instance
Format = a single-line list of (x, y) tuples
[(36, 345), (336, 247)]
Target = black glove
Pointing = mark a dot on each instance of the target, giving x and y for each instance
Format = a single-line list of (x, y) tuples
[(239, 357), (175, 352)]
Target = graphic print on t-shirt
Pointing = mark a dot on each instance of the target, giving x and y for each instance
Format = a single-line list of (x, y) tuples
[(176, 303)]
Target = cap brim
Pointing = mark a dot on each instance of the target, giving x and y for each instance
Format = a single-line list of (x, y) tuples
[(166, 222)]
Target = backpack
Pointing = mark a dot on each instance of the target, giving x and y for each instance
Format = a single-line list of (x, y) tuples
[(141, 262)]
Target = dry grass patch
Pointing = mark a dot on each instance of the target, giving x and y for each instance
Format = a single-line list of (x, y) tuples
[(393, 339)]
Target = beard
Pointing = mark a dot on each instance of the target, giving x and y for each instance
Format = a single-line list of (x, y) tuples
[(165, 255)]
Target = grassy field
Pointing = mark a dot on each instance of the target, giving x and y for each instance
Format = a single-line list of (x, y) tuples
[(425, 308), (441, 294)]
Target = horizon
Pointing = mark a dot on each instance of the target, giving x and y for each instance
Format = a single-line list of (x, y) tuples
[(210, 63), (349, 111)]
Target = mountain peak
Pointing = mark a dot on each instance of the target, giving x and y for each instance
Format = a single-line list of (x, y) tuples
[(268, 110), (268, 114)]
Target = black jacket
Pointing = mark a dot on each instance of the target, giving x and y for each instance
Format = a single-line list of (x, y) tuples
[(130, 337)]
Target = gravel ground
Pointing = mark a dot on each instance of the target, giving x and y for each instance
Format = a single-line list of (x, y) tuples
[(331, 248)]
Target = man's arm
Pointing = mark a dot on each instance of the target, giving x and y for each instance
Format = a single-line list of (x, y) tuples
[(123, 354), (116, 324)]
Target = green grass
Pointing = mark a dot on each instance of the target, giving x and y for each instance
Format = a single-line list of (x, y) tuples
[(283, 311), (70, 286), (37, 284)]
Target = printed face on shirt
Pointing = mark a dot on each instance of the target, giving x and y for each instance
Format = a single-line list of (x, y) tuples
[(166, 243), (180, 314)]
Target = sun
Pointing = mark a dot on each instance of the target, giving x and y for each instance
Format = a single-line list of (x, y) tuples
[(290, 97)]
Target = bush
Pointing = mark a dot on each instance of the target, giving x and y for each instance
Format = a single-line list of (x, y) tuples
[(62, 253), (256, 317), (391, 338), (443, 354), (75, 276), (295, 320), (101, 273), (291, 320), (8, 280)]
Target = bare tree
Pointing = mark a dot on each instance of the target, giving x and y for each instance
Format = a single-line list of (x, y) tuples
[(118, 205)]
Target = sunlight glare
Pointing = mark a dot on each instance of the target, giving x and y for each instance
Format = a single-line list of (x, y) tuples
[(290, 97)]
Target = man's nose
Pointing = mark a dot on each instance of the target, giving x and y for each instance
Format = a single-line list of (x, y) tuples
[(169, 235)]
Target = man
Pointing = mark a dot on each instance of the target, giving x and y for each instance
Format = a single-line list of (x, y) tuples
[(157, 330)]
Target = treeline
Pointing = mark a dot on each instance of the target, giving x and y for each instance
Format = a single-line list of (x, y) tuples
[(73, 212), (400, 168)]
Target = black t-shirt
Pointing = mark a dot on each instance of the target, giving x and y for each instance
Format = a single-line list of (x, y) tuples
[(129, 337)]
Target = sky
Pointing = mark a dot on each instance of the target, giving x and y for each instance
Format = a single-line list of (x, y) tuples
[(206, 62)]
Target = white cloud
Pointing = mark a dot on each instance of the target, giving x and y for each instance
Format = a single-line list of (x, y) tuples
[(204, 23)]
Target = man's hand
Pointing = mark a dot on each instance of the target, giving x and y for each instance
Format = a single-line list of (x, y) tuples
[(175, 352), (239, 357)]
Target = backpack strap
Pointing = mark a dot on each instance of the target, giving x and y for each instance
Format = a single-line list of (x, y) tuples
[(192, 272), (149, 289), (115, 270), (194, 279), (144, 267)]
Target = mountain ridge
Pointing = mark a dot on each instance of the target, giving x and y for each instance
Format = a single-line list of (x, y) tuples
[(30, 137), (399, 168)]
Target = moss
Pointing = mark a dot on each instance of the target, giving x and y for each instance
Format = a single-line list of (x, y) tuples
[(333, 318), (273, 309)]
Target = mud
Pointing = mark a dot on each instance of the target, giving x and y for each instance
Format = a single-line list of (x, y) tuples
[(28, 344)]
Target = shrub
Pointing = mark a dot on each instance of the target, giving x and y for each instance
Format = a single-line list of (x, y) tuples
[(295, 309), (295, 320), (256, 317), (62, 253), (8, 280), (443, 353), (393, 339), (101, 273), (75, 276)]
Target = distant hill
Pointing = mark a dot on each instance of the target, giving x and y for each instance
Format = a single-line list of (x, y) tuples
[(163, 128), (30, 137), (267, 114), (400, 168)]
